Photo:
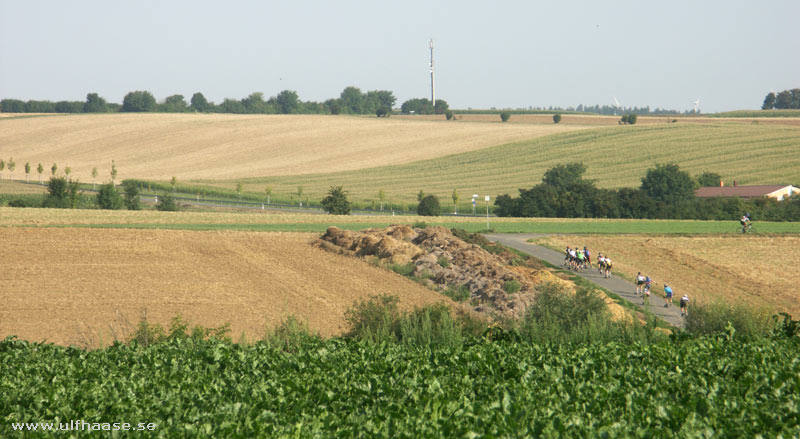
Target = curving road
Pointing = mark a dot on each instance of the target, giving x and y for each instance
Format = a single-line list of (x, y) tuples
[(618, 286)]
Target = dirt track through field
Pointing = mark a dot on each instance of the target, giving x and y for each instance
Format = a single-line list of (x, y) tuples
[(68, 285)]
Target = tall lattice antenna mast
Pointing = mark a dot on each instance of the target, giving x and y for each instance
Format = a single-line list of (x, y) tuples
[(433, 83)]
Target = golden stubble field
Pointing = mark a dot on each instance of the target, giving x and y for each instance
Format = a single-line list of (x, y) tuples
[(751, 270), (79, 286), (226, 146)]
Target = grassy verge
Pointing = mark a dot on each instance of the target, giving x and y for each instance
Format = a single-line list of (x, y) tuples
[(475, 225)]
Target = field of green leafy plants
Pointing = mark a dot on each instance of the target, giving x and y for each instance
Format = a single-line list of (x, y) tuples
[(709, 386)]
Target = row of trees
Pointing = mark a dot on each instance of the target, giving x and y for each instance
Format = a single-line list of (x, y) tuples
[(336, 202), (785, 100), (351, 101), (424, 106), (11, 165), (666, 192), (605, 110), (64, 193), (93, 104)]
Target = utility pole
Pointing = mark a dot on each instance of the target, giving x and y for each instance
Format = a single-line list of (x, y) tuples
[(433, 84)]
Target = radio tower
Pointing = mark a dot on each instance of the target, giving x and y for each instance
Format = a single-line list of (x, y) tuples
[(433, 87)]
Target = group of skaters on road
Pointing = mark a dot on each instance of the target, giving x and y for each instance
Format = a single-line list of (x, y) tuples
[(577, 260), (643, 285), (580, 259)]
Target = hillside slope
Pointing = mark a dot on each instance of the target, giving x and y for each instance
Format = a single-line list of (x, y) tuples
[(218, 146), (84, 285), (614, 156)]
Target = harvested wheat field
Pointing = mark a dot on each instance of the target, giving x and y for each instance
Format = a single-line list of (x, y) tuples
[(755, 270), (86, 286), (224, 146)]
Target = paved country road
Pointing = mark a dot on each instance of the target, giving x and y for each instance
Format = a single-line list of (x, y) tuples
[(620, 287)]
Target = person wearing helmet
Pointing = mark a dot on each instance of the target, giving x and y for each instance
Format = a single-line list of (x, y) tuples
[(667, 295), (587, 258)]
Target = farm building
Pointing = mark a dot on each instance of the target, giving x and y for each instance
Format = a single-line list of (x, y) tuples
[(779, 192)]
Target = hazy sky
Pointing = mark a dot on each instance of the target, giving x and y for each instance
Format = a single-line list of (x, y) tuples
[(488, 54)]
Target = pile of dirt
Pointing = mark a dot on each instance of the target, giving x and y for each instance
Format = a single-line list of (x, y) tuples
[(499, 283), (444, 262)]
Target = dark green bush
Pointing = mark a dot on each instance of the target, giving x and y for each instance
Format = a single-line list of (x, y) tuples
[(713, 318), (19, 202), (558, 316), (556, 118), (429, 206), (61, 193), (291, 335), (108, 197), (380, 320), (166, 203), (336, 202), (132, 201), (504, 116)]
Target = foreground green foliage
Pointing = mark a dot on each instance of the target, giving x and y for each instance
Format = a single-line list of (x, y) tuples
[(705, 387)]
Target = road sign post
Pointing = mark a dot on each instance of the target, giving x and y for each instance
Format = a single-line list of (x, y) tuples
[(487, 213)]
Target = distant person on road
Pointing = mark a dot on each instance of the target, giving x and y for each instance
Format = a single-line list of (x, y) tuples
[(567, 257), (580, 260), (601, 262), (607, 273), (684, 305), (573, 258), (587, 258), (647, 282), (639, 283), (745, 222), (667, 295)]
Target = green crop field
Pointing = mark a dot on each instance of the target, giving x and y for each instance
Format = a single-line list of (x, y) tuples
[(632, 227), (307, 222), (615, 157), (703, 387), (759, 113)]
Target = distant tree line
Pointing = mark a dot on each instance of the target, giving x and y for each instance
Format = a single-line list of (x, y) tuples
[(666, 192), (424, 106), (785, 100), (351, 101), (600, 109)]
